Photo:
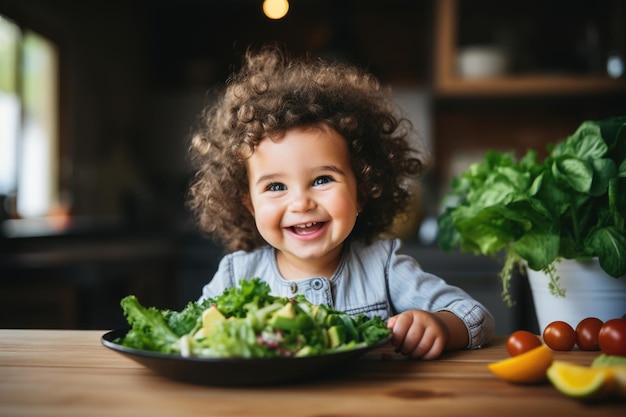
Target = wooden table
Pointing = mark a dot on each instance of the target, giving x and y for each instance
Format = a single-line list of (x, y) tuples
[(69, 373)]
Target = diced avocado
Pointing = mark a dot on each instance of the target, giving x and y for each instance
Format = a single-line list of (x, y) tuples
[(319, 314), (305, 351), (287, 311), (283, 323), (211, 315), (304, 321), (284, 318), (351, 332), (332, 319), (303, 317), (337, 335), (314, 310)]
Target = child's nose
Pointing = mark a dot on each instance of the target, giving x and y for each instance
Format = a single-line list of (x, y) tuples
[(301, 201)]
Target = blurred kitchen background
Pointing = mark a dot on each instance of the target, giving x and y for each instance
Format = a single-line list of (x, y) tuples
[(98, 98)]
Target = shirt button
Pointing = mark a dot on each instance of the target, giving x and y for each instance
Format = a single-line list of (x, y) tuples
[(317, 284), (294, 288)]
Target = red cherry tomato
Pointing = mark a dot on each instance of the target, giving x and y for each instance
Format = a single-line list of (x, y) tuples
[(587, 333), (559, 335), (521, 341), (612, 337)]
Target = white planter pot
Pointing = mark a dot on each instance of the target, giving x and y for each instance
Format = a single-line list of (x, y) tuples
[(589, 292)]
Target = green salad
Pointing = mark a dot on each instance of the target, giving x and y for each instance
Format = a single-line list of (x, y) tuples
[(247, 322)]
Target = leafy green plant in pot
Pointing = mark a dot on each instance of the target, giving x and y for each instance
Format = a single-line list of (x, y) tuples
[(571, 205)]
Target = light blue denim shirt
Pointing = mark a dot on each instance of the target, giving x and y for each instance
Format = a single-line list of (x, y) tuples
[(374, 279)]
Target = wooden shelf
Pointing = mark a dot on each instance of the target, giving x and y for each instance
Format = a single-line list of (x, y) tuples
[(448, 83), (530, 85)]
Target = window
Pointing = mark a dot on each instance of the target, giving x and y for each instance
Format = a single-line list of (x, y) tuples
[(29, 121)]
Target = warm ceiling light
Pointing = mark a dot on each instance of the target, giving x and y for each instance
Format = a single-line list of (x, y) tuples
[(275, 9)]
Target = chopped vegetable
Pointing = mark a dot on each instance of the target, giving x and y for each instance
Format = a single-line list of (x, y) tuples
[(246, 321)]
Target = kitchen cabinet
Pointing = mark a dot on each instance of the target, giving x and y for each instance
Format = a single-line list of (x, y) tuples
[(519, 29), (556, 76)]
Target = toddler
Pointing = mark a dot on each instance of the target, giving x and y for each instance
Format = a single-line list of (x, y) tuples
[(302, 166)]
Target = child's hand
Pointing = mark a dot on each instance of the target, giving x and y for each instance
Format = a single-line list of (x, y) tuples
[(418, 333)]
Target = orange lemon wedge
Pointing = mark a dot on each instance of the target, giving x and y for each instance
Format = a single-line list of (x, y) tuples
[(527, 368)]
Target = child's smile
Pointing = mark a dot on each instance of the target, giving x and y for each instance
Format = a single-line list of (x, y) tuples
[(304, 200), (308, 230)]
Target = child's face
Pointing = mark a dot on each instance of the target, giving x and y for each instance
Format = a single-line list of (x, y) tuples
[(303, 194)]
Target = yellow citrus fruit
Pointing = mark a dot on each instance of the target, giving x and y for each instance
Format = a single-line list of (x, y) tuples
[(527, 368), (580, 381)]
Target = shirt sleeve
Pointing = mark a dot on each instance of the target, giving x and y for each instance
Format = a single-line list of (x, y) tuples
[(410, 287), (222, 279)]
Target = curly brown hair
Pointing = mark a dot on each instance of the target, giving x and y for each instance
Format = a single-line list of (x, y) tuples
[(272, 94)]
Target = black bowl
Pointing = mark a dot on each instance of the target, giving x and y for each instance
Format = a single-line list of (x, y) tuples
[(239, 371)]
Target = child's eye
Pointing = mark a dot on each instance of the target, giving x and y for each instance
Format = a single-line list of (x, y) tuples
[(276, 186), (324, 179)]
